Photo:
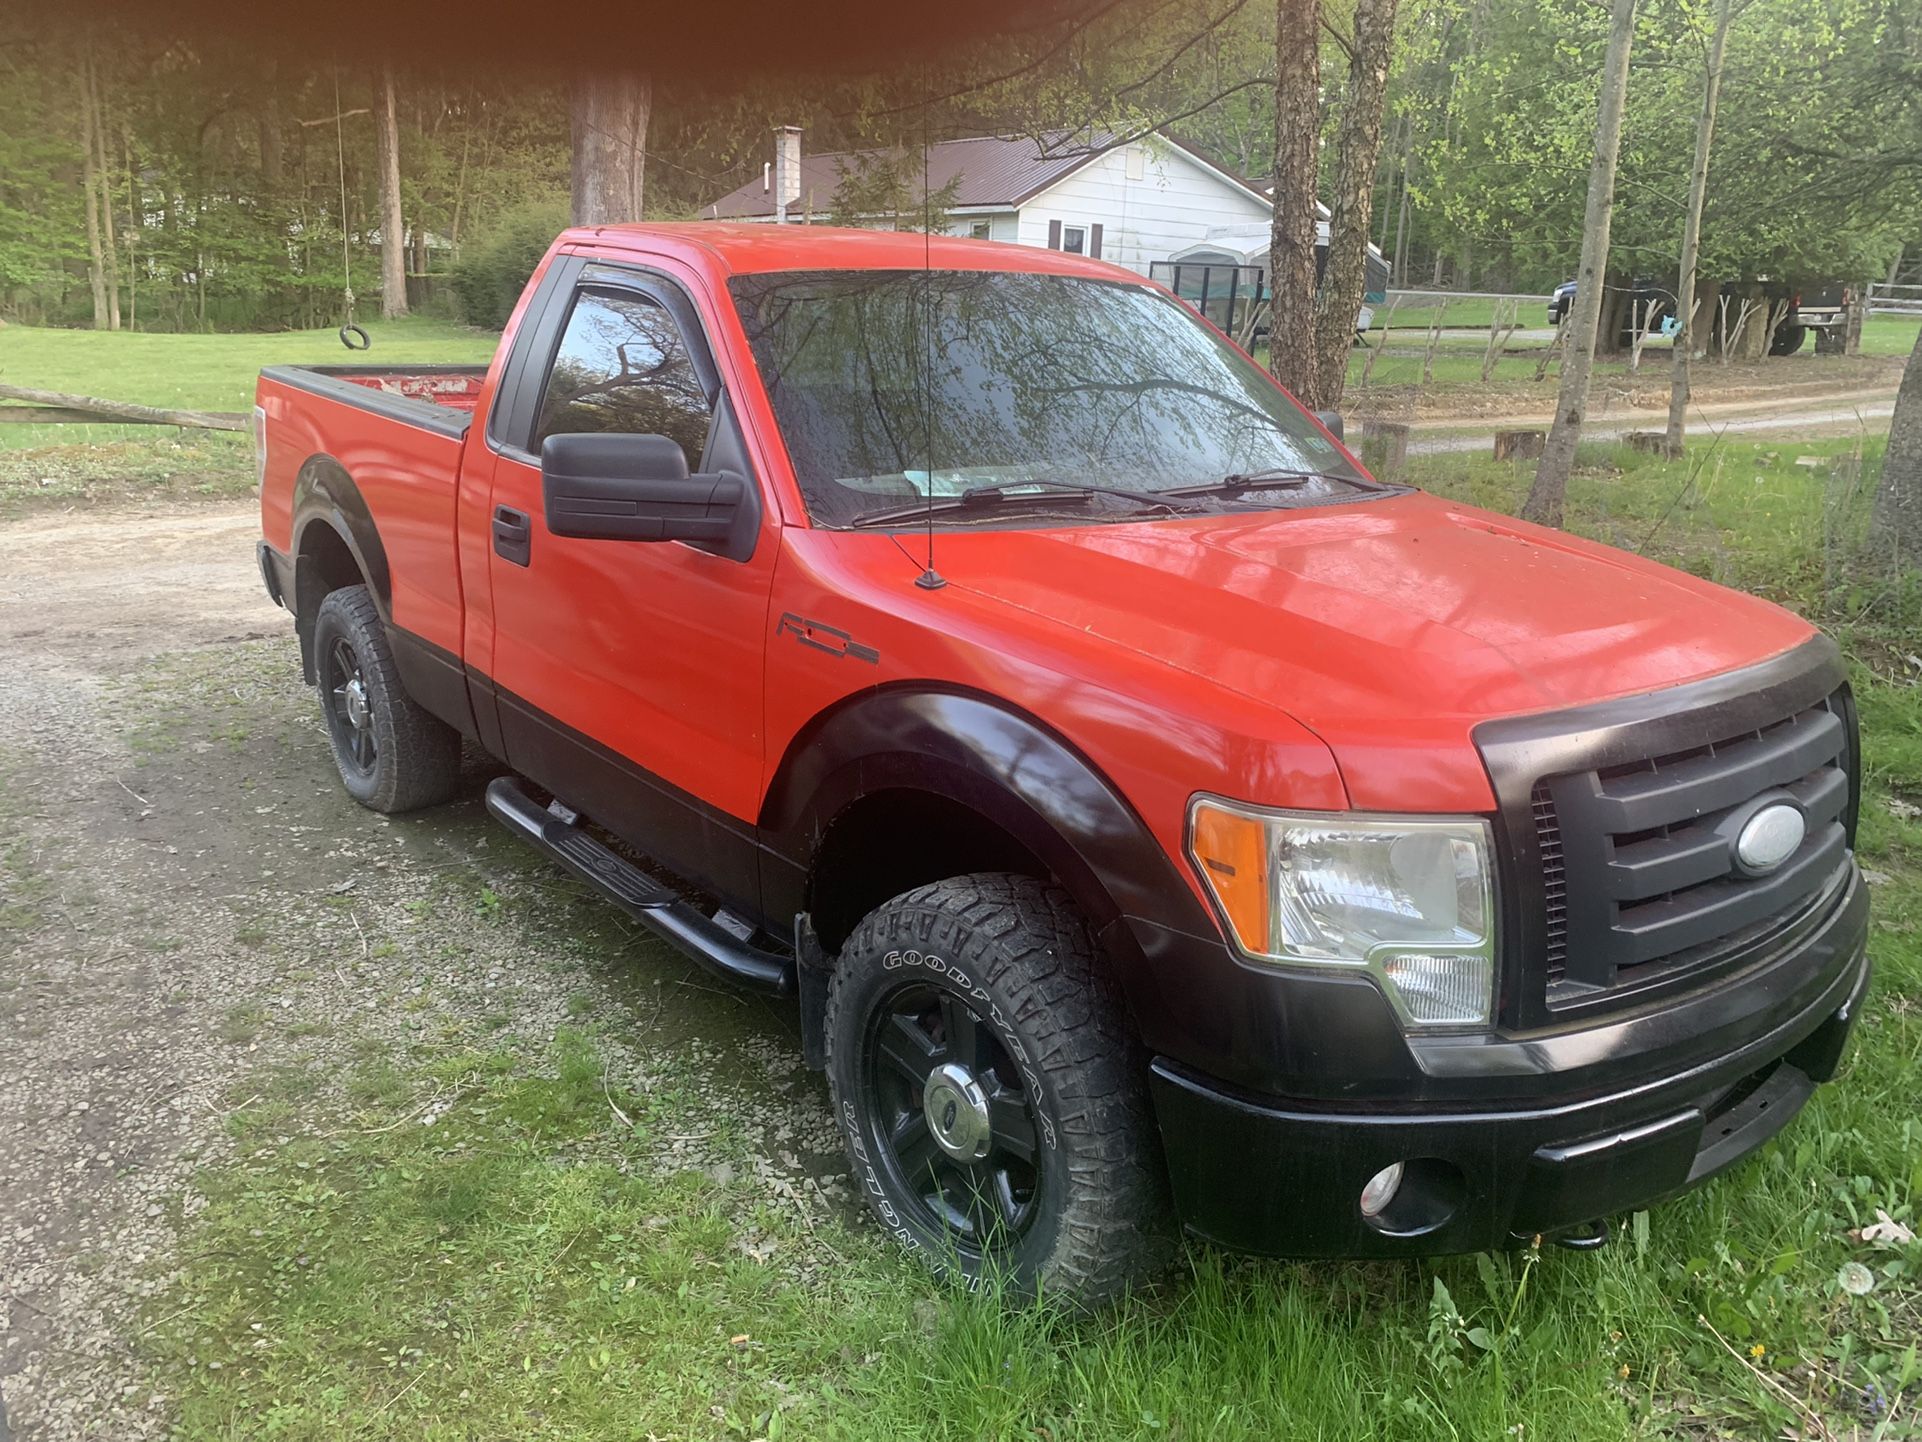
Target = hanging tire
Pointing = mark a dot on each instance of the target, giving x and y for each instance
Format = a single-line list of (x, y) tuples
[(991, 1095), (392, 755), (1788, 339)]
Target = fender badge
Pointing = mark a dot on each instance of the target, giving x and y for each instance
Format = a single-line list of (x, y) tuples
[(830, 639)]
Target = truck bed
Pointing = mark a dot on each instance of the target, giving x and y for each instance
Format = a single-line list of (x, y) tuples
[(438, 397), (390, 439)]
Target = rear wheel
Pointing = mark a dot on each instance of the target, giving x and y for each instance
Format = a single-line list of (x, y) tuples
[(392, 754), (1788, 339), (990, 1094)]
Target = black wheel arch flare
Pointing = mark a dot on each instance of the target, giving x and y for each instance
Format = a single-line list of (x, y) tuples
[(1003, 764), (325, 495)]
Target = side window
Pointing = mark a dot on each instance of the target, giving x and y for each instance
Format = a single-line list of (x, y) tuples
[(623, 366)]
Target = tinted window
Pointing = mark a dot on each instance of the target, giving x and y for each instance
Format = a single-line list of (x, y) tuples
[(894, 385), (623, 366)]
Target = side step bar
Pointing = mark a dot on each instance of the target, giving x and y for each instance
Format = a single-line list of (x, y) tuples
[(648, 901)]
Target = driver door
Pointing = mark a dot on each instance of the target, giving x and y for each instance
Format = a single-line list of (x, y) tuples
[(629, 673)]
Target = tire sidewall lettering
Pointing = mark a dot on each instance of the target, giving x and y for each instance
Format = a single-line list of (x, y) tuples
[(989, 1010)]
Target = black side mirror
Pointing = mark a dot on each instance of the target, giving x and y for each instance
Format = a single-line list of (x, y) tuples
[(624, 487), (1332, 420)]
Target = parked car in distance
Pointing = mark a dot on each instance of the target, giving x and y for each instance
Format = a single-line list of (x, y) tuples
[(1818, 307), (1152, 816)]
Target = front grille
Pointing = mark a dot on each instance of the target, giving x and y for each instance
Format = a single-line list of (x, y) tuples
[(1548, 842), (1640, 884)]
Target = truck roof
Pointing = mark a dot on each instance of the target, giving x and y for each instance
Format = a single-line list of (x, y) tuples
[(747, 248)]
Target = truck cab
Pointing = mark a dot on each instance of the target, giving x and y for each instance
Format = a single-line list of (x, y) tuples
[(1157, 821)]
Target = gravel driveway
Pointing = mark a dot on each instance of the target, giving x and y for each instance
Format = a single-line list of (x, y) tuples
[(187, 898)]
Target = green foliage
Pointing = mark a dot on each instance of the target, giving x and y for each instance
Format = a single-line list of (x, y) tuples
[(41, 228), (493, 270), (884, 188), (1795, 190)]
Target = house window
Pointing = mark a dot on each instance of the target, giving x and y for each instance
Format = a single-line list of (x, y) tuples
[(1074, 239), (979, 230)]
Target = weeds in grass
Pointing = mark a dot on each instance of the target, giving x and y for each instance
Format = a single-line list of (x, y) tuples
[(243, 1022)]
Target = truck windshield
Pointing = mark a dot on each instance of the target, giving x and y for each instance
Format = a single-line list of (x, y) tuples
[(897, 386)]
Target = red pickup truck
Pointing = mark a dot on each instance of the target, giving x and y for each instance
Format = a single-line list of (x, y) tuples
[(1153, 815)]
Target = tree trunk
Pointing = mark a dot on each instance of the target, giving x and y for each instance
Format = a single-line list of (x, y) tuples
[(135, 224), (1614, 319), (1357, 150), (1548, 495), (1400, 267), (1692, 233), (90, 183), (1291, 245), (393, 227), (1708, 295), (1898, 499), (1386, 183), (608, 116), (103, 176), (273, 165), (460, 193)]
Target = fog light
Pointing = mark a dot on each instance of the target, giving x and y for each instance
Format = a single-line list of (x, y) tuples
[(1380, 1190)]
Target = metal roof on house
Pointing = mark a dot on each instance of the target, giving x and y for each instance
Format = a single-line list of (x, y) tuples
[(989, 171)]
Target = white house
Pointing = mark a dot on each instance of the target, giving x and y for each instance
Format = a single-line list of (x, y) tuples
[(1152, 203), (1132, 202)]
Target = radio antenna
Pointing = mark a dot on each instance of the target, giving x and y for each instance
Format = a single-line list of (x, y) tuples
[(929, 579)]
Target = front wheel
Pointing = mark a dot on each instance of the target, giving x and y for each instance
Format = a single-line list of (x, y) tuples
[(990, 1094), (392, 754)]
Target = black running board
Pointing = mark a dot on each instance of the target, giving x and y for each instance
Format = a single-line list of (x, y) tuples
[(650, 902)]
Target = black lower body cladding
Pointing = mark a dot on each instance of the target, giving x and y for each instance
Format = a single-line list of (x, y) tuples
[(1285, 1178)]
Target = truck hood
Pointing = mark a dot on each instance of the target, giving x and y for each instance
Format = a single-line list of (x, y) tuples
[(1390, 628)]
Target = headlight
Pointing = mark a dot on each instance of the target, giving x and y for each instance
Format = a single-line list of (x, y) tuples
[(1409, 899)]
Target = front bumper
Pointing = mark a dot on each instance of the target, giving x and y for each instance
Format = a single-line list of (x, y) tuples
[(1284, 1178)]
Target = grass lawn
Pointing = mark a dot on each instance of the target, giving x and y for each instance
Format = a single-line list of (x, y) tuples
[(1889, 334), (201, 372), (521, 1268), (62, 465), (1417, 315)]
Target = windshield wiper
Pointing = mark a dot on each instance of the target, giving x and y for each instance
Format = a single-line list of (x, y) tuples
[(1279, 479), (1016, 491)]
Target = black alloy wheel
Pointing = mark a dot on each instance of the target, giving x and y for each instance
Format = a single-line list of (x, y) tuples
[(951, 1121), (350, 711), (992, 1094), (392, 754)]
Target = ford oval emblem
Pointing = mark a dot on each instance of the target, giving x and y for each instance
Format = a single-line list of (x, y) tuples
[(1769, 837)]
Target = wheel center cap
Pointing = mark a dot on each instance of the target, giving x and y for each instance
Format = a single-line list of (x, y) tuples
[(956, 1108), (356, 703)]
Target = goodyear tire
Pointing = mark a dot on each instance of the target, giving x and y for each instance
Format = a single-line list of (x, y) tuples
[(991, 1095), (392, 755)]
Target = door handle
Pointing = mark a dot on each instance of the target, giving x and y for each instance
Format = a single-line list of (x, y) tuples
[(513, 535)]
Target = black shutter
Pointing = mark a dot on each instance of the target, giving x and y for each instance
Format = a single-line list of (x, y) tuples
[(1054, 235), (1094, 240)]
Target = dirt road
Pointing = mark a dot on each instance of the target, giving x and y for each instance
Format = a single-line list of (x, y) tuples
[(193, 916), (1790, 417)]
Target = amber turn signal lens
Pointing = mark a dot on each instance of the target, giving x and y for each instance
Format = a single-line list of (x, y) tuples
[(1232, 851)]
